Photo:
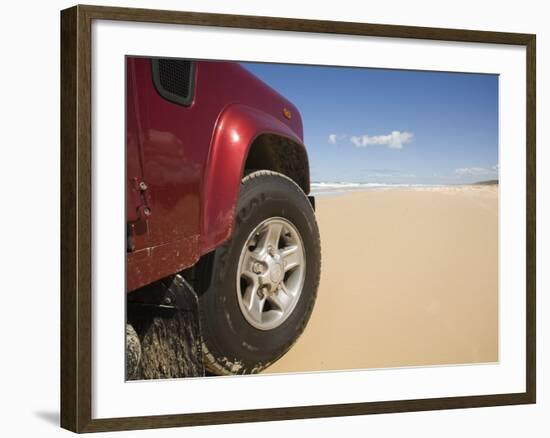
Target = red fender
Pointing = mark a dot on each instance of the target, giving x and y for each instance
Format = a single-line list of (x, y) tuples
[(236, 129)]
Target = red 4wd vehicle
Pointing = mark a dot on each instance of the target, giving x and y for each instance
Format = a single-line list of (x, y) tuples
[(217, 184)]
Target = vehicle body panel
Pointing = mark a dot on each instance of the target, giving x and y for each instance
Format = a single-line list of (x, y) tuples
[(236, 129), (185, 163)]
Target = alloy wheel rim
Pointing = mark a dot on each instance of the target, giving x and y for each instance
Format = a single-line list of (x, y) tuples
[(271, 273)]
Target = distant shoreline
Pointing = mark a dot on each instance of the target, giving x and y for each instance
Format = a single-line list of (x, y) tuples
[(341, 188), (489, 182)]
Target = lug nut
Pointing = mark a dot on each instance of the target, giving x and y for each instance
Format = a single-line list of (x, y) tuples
[(257, 268), (270, 251)]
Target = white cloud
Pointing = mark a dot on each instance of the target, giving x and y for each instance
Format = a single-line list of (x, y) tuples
[(335, 138), (475, 171), (471, 171), (395, 140)]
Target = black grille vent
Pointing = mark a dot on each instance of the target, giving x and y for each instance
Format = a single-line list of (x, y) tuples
[(174, 79)]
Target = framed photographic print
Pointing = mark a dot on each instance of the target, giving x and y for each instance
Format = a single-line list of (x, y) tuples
[(268, 218)]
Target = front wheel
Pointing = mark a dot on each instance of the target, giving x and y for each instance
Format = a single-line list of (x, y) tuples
[(264, 280)]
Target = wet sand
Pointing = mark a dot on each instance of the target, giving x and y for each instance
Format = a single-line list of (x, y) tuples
[(409, 277)]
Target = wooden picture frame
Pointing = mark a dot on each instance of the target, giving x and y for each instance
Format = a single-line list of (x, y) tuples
[(76, 198)]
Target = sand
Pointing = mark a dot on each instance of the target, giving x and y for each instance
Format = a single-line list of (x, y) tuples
[(409, 278)]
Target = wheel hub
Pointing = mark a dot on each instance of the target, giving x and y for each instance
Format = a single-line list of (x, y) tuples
[(270, 270), (276, 274)]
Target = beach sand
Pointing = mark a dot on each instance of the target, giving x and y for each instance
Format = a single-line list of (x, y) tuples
[(409, 277)]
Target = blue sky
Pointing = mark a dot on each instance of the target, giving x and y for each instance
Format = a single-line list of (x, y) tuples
[(392, 126)]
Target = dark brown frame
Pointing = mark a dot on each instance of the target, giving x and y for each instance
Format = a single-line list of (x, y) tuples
[(76, 173)]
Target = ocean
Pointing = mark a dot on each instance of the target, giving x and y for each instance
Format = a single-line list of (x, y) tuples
[(335, 188)]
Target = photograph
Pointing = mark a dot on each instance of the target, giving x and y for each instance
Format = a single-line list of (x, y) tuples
[(292, 218), (268, 218), (275, 219)]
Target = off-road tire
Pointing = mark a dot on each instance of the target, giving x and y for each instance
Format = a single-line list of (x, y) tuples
[(231, 345)]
